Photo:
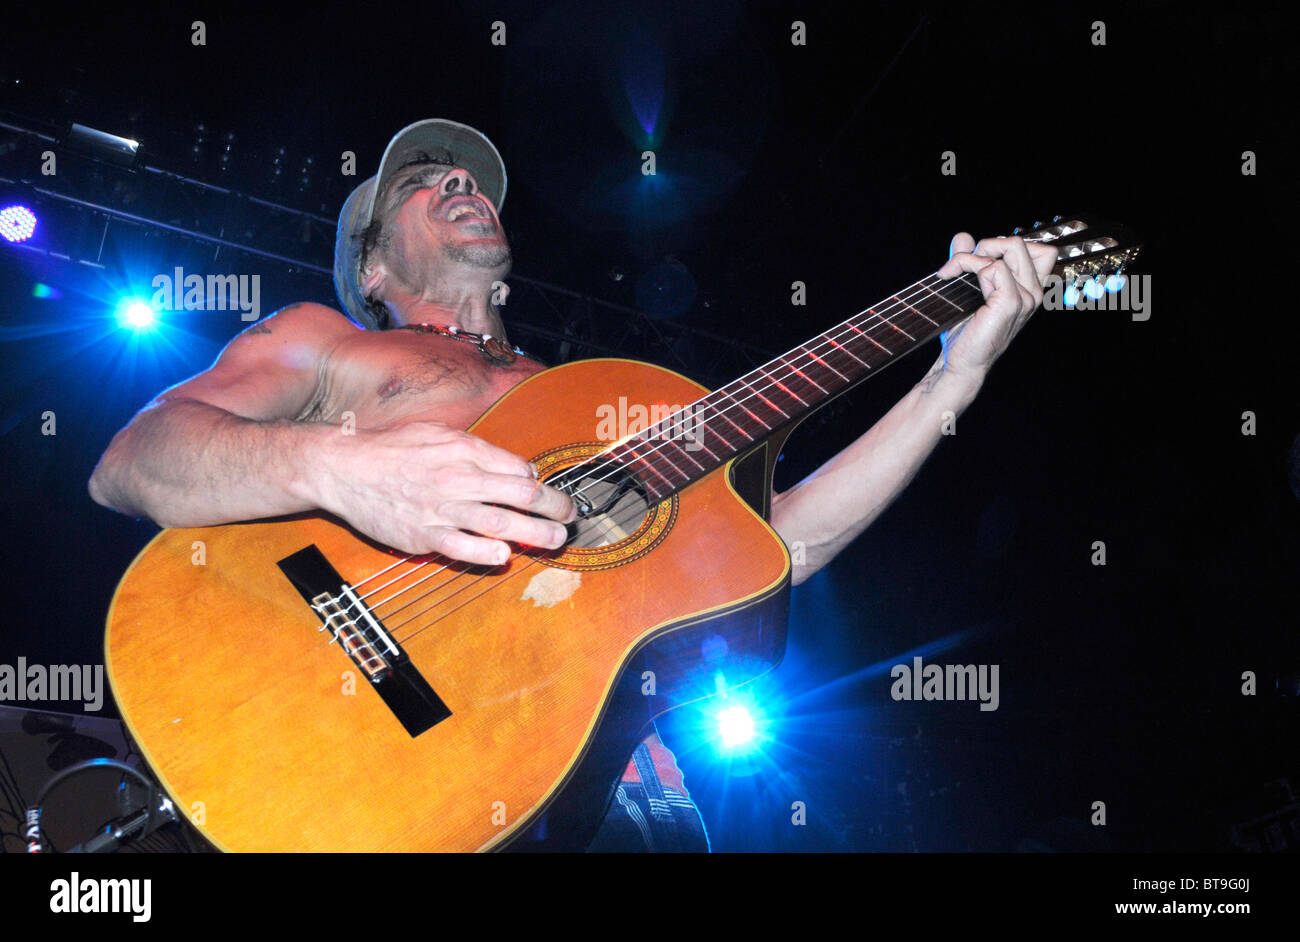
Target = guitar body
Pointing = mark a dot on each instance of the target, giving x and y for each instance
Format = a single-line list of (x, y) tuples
[(271, 738)]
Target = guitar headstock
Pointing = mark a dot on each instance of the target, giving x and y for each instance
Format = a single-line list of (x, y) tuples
[(1088, 249)]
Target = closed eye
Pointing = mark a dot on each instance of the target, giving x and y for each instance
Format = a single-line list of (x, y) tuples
[(419, 181)]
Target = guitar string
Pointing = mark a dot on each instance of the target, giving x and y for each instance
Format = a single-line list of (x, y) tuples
[(737, 403), (665, 427), (593, 468), (395, 595), (813, 354), (944, 283), (824, 339), (882, 318), (635, 511), (889, 309), (828, 339), (629, 514)]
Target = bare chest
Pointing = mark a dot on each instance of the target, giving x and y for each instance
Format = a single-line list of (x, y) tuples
[(394, 377)]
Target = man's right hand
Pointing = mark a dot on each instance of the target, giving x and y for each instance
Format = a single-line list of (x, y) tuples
[(417, 487)]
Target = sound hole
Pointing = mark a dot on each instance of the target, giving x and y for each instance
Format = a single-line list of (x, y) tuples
[(611, 509)]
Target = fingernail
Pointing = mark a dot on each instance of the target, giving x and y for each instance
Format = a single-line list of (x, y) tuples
[(533, 468)]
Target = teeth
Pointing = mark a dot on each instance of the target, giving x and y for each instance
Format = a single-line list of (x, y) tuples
[(460, 211)]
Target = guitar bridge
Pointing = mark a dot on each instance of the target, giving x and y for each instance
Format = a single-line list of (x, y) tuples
[(359, 645), (365, 640)]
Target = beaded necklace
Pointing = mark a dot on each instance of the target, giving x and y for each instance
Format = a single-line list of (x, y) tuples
[(494, 349)]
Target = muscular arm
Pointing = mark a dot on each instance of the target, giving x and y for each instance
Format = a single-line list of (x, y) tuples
[(225, 447), (841, 499), (828, 510), (221, 447)]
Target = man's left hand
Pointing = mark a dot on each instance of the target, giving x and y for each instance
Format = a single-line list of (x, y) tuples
[(1012, 274)]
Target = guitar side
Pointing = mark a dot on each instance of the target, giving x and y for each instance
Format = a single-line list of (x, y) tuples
[(248, 715)]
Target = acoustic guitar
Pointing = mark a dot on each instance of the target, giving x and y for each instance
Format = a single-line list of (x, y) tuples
[(297, 687)]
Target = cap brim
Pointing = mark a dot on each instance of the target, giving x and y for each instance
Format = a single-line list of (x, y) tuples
[(447, 142)]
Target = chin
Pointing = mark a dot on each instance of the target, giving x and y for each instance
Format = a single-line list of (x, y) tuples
[(481, 256)]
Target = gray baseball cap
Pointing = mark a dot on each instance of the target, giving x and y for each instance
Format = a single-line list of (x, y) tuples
[(444, 141)]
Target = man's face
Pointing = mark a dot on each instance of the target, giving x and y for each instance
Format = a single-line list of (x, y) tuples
[(437, 225)]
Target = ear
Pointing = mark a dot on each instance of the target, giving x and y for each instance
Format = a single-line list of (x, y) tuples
[(373, 277)]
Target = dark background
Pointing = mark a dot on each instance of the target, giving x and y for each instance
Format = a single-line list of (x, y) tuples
[(779, 163)]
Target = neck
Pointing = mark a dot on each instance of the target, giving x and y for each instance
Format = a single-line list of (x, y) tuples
[(465, 304), (479, 317), (694, 441)]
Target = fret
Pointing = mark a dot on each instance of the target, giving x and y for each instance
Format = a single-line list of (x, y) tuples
[(674, 438), (671, 429), (837, 358), (839, 346), (945, 300), (645, 461), (685, 453), (805, 363), (755, 392), (868, 337), (818, 358), (700, 429), (745, 412), (744, 409), (913, 307), (790, 379), (722, 414), (969, 295), (886, 320), (660, 450)]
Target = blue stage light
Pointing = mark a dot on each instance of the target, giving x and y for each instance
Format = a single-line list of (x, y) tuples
[(1115, 282), (136, 314), (1093, 288), (17, 223), (1072, 296), (735, 727)]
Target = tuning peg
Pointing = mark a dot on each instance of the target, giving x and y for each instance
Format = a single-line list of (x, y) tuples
[(1038, 224), (1017, 230), (1056, 219)]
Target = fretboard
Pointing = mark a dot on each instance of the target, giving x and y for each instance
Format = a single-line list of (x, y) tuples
[(703, 436)]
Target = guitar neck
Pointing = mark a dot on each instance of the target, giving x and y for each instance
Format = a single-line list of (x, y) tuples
[(689, 444)]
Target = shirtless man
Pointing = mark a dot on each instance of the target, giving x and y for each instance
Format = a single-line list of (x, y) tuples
[(258, 434)]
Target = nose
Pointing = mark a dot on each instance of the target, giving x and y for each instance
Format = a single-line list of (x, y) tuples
[(458, 182)]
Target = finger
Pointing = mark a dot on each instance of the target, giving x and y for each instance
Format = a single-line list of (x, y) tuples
[(1001, 290), (962, 243), (491, 458), (1015, 253), (502, 523), (1044, 257), (524, 494), (454, 544), (1004, 295), (963, 262)]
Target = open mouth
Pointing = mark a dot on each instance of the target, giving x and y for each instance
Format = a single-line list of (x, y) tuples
[(467, 208)]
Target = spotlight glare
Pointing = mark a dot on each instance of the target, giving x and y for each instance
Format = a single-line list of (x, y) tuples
[(136, 314), (735, 726), (17, 223)]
